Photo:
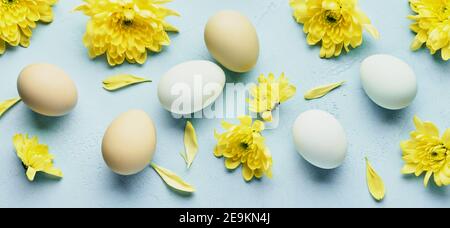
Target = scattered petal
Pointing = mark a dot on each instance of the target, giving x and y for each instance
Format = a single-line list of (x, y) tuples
[(6, 105), (172, 180), (321, 91), (190, 144), (122, 80), (374, 182)]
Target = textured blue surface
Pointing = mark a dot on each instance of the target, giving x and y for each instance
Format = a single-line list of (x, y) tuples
[(75, 139)]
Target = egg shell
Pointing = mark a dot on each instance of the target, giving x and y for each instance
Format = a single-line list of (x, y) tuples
[(388, 81), (129, 143), (191, 86), (232, 40), (320, 139), (47, 90)]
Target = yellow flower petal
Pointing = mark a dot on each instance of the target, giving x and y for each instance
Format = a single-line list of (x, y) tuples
[(267, 116), (53, 171), (247, 173), (172, 180), (190, 143), (245, 120), (170, 28), (6, 105), (218, 153), (31, 173), (122, 80), (408, 169), (427, 178), (322, 90), (372, 30), (426, 127), (445, 53), (374, 182), (446, 138), (231, 164), (258, 126)]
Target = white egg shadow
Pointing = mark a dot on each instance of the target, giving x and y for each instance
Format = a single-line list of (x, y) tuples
[(317, 174), (385, 115)]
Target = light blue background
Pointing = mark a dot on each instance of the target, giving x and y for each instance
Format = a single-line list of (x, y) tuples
[(75, 139)]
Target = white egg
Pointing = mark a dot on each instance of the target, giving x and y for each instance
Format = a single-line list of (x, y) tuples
[(388, 81), (320, 139), (191, 86)]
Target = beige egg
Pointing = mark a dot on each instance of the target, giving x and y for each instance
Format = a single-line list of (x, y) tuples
[(232, 40), (129, 143), (47, 90)]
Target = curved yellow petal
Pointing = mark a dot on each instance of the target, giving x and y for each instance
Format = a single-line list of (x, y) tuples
[(446, 138), (245, 120), (372, 30), (321, 91), (190, 143), (427, 178), (54, 172), (408, 169), (6, 105), (374, 182), (426, 127), (258, 126), (31, 173), (172, 180), (247, 173), (232, 164), (121, 81)]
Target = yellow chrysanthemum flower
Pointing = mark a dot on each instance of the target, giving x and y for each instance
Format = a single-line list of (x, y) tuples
[(432, 25), (427, 152), (336, 24), (35, 157), (269, 93), (19, 17), (244, 144), (126, 29)]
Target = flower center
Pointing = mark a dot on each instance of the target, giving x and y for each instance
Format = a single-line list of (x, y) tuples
[(127, 22), (244, 145), (9, 2), (438, 153), (332, 17)]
